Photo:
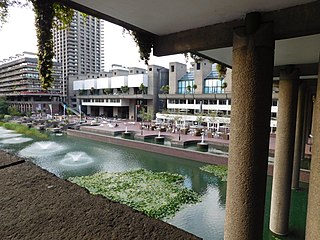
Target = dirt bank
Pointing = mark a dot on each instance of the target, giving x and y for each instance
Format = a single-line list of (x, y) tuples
[(35, 204)]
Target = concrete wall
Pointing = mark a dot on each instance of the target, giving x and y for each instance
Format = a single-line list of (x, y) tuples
[(176, 71), (200, 74)]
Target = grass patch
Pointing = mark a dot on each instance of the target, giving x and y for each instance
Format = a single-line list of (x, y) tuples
[(157, 194), (218, 171), (19, 128)]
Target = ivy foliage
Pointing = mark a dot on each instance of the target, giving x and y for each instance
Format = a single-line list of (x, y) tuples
[(44, 15), (144, 41), (157, 194), (48, 14), (222, 72)]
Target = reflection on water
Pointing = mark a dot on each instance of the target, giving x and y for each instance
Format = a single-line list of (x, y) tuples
[(67, 156)]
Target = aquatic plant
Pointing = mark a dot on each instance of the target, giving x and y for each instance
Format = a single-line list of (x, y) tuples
[(157, 194), (218, 171)]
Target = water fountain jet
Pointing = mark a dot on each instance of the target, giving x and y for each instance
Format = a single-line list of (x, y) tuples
[(76, 159), (159, 139), (202, 146), (42, 148)]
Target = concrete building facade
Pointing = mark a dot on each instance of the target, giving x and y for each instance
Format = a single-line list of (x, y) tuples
[(210, 100), (121, 93), (79, 48), (20, 84)]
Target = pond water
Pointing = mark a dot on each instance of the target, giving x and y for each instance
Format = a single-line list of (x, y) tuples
[(67, 156)]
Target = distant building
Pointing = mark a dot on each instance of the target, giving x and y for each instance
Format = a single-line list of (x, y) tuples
[(19, 82), (199, 95), (79, 48), (122, 92)]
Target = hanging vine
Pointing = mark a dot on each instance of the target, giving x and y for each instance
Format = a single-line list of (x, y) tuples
[(48, 14), (144, 41), (222, 72), (44, 15)]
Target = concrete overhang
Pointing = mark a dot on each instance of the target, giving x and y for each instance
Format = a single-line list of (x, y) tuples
[(206, 26)]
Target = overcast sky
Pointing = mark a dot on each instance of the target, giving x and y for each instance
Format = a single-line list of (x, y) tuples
[(19, 35)]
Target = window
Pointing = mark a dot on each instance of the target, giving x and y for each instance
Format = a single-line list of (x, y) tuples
[(198, 66), (275, 103), (150, 69), (172, 68), (212, 86), (183, 84), (222, 102)]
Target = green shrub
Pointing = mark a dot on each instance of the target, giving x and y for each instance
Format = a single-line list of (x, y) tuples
[(19, 128)]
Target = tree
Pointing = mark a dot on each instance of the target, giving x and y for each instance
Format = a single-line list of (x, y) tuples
[(146, 115), (199, 119), (3, 105), (124, 89), (13, 111), (165, 90), (107, 91), (192, 89), (142, 88), (92, 90)]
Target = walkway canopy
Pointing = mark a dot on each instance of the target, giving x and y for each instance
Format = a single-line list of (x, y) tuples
[(206, 26)]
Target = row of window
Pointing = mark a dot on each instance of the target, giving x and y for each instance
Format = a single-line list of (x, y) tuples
[(102, 100), (203, 101)]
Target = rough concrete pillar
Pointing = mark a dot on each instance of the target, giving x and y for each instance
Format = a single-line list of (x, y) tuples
[(299, 137), (313, 212), (250, 127), (284, 148)]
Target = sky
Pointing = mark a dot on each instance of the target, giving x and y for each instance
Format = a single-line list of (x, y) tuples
[(19, 35)]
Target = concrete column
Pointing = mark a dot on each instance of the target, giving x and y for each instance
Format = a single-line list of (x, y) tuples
[(250, 127), (313, 213), (284, 148), (299, 137), (88, 110), (101, 110)]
